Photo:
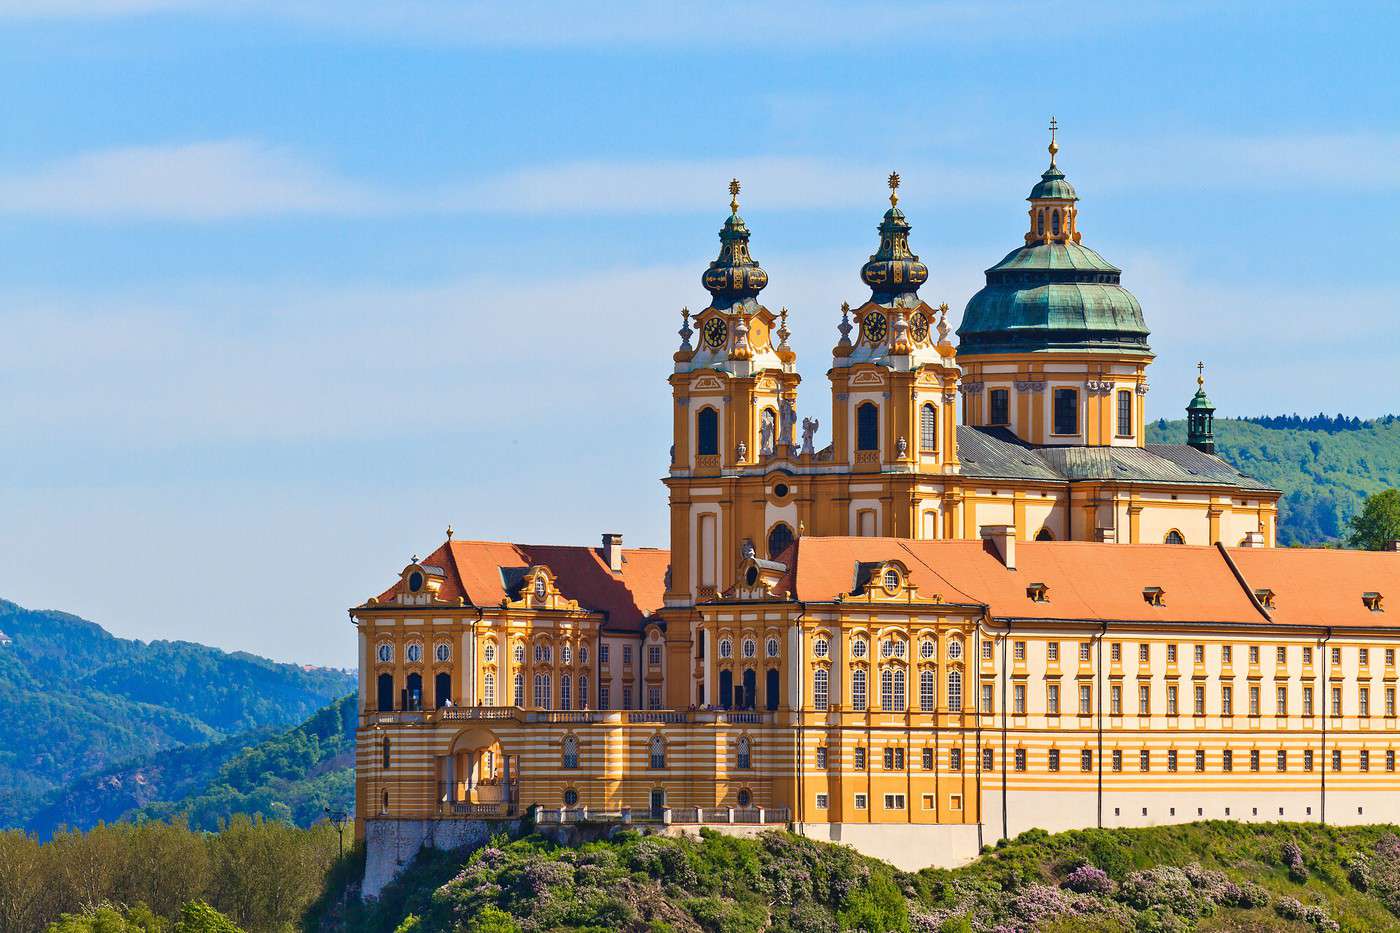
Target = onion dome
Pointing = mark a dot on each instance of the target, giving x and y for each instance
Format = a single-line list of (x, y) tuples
[(894, 273), (1053, 293), (734, 276)]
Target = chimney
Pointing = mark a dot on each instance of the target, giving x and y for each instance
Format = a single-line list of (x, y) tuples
[(1253, 539), (612, 551), (1003, 541)]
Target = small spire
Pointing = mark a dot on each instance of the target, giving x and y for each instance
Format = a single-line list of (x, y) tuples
[(449, 531), (894, 189), (734, 195), (1201, 374), (1054, 146)]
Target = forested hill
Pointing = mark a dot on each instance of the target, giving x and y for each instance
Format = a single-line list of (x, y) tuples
[(1326, 466), (75, 699)]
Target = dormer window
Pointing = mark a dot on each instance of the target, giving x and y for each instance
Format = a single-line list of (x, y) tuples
[(1154, 595), (1372, 601), (1038, 593), (891, 579), (1265, 597), (539, 586)]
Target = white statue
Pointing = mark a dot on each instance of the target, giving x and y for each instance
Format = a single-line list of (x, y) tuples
[(767, 433), (787, 421), (901, 447), (809, 430)]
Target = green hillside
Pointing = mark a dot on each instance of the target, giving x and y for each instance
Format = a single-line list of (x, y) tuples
[(76, 700), (1325, 466)]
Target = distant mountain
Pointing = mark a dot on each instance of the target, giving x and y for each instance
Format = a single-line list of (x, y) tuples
[(1325, 465), (77, 700)]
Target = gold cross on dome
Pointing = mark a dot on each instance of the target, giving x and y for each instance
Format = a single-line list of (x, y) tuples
[(1054, 146), (1200, 373)]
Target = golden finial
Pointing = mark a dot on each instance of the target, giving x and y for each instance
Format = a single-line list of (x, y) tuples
[(1054, 146), (449, 531), (1201, 374), (734, 195), (894, 188)]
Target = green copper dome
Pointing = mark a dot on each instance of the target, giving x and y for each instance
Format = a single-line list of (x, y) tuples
[(735, 276), (1052, 184)]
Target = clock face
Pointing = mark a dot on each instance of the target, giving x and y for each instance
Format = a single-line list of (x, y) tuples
[(918, 327), (874, 326), (716, 332)]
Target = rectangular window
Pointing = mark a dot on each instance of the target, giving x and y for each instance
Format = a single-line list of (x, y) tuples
[(926, 759), (1020, 759), (1018, 650), (1000, 401), (1200, 759), (653, 698), (1054, 760), (654, 655), (1390, 701), (1363, 702), (1125, 413), (927, 801), (1225, 654), (1018, 699), (1199, 700), (1227, 760), (1307, 759), (1253, 654), (1390, 657), (1117, 760), (860, 758), (1171, 654), (1115, 652), (1142, 654), (1066, 411), (1084, 651), (1227, 701), (1336, 655), (1171, 759), (1052, 700), (1171, 700), (627, 698), (988, 759), (1281, 655), (1254, 760), (889, 759), (1086, 760), (1364, 763), (823, 801), (1052, 651), (986, 698), (860, 801), (1144, 698), (626, 654), (1307, 655), (1115, 700), (1282, 760), (1336, 701), (604, 696), (821, 756), (1086, 700), (1336, 759), (1390, 761), (603, 654), (1282, 701), (1198, 654), (1307, 701), (1254, 701), (894, 801), (986, 651), (954, 759), (1144, 760)]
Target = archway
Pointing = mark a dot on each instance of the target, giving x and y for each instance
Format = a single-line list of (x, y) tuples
[(750, 688), (386, 692), (413, 692), (478, 772)]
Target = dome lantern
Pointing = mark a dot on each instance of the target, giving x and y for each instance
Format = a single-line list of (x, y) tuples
[(894, 273), (734, 276), (1053, 212), (1200, 416)]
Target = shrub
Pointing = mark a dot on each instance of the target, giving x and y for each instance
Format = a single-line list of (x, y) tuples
[(1293, 858), (1087, 879)]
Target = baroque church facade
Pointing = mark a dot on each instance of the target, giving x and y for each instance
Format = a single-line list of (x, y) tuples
[(986, 605)]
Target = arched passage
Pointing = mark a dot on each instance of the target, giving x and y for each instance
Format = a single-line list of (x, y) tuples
[(479, 771), (386, 692)]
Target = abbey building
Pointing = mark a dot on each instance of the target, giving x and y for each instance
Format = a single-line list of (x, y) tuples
[(986, 604)]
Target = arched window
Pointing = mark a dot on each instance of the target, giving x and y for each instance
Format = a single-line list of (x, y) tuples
[(1174, 537), (927, 695), (955, 691), (867, 426), (519, 689), (726, 689), (1044, 535), (745, 797), (386, 692), (566, 692), (583, 691), (488, 652), (442, 689), (820, 681), (542, 691), (1040, 223), (901, 702), (707, 432), (1055, 224), (858, 696), (570, 751), (750, 688), (386, 802), (745, 754), (770, 688), (386, 753), (656, 753), (928, 428), (779, 540), (570, 797), (887, 690), (415, 691), (519, 652), (488, 689)]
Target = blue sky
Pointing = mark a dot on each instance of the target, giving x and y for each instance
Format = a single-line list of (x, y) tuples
[(287, 287)]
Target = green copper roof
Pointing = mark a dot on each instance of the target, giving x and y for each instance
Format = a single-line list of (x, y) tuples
[(1052, 184), (1199, 400), (1052, 296)]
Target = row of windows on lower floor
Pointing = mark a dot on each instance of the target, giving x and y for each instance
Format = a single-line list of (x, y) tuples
[(893, 759)]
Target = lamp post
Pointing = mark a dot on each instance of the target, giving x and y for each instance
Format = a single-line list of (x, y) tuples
[(338, 819)]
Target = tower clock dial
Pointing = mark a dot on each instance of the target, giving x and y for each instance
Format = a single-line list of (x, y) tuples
[(874, 326), (716, 332), (918, 327)]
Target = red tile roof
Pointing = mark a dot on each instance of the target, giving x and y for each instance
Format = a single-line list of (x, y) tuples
[(1315, 586), (473, 571)]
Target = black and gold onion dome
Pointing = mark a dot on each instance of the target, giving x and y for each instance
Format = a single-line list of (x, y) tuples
[(894, 273), (734, 276)]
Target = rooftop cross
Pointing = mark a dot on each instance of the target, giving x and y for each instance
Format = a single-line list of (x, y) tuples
[(1200, 373), (894, 188), (1054, 146)]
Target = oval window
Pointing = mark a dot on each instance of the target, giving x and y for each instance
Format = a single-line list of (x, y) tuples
[(570, 797), (780, 490), (745, 798), (415, 652), (415, 581), (386, 652)]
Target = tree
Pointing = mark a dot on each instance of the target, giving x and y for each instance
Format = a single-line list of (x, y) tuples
[(1378, 522)]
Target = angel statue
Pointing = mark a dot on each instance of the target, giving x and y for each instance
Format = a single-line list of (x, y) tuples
[(809, 431)]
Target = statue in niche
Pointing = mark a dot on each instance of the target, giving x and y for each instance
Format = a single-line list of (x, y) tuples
[(768, 431), (787, 421), (809, 431)]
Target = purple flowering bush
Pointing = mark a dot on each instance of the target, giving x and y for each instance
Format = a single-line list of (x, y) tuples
[(1088, 879)]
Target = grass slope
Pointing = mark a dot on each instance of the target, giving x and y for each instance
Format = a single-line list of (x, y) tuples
[(76, 700), (1199, 876), (1325, 473)]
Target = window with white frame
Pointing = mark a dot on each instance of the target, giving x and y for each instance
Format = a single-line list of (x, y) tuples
[(858, 690), (820, 687), (927, 692), (542, 691)]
